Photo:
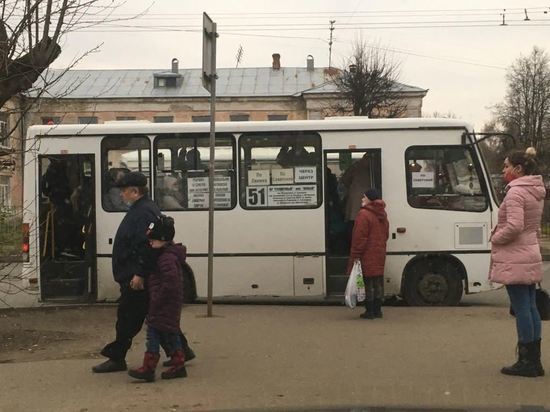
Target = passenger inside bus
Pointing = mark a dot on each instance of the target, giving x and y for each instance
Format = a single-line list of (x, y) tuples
[(193, 160), (170, 197), (356, 179), (112, 201), (297, 155), (68, 208), (179, 161), (338, 243)]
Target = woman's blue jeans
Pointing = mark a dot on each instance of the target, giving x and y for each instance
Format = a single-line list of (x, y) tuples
[(524, 304)]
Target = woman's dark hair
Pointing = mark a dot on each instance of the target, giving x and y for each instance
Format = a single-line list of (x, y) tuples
[(526, 159)]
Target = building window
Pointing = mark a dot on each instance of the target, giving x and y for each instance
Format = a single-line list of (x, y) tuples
[(166, 81), (443, 177), (181, 172), (277, 116), (198, 119), (239, 117), (126, 117), (5, 191), (4, 129), (87, 120), (120, 154), (50, 120), (163, 119), (280, 170)]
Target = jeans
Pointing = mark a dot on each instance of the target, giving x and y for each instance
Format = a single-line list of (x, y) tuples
[(528, 324), (171, 341)]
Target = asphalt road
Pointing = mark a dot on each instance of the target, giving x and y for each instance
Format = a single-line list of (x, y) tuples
[(277, 358)]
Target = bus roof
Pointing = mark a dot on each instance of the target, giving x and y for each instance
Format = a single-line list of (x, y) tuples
[(349, 123)]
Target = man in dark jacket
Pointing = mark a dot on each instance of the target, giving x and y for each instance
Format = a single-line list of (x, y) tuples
[(131, 263)]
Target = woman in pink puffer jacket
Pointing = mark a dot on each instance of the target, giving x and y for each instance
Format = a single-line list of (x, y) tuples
[(515, 255)]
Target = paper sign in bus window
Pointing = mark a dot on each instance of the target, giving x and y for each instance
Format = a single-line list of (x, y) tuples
[(197, 192), (292, 196), (258, 177), (423, 180), (282, 176), (305, 174)]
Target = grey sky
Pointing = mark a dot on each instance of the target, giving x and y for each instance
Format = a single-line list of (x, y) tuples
[(463, 67)]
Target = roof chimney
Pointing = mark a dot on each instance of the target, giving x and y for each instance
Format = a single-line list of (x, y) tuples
[(175, 64), (276, 61), (309, 63)]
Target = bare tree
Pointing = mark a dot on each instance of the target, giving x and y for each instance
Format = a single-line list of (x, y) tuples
[(31, 34), (441, 115), (525, 111), (369, 83)]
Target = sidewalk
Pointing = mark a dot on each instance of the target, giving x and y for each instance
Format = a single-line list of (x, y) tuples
[(281, 357)]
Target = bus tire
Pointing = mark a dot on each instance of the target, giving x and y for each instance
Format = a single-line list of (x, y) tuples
[(433, 281), (189, 285)]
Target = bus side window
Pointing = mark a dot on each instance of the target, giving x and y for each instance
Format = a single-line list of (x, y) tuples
[(121, 154), (280, 170), (443, 177), (184, 185)]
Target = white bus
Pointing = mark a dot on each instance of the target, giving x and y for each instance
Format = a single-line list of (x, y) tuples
[(282, 198)]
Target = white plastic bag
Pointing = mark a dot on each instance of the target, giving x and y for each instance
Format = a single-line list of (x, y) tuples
[(355, 288)]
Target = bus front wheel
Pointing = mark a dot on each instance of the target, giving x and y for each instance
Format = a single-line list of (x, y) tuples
[(433, 282)]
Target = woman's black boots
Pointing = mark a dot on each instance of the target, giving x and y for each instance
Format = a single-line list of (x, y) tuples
[(528, 364), (536, 357)]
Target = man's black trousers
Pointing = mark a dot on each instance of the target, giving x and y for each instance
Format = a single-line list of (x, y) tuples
[(131, 313)]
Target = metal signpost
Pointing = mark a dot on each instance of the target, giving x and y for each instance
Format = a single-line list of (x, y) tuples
[(209, 82)]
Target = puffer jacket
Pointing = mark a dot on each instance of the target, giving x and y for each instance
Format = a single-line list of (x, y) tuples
[(166, 289), (368, 241), (515, 251)]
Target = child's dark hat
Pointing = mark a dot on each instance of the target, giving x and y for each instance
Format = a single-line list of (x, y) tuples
[(162, 229)]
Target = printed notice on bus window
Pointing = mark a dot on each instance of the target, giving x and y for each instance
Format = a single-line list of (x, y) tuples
[(305, 174), (292, 195), (424, 180), (197, 192), (258, 177), (282, 176)]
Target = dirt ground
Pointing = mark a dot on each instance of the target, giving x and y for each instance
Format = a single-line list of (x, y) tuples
[(261, 357)]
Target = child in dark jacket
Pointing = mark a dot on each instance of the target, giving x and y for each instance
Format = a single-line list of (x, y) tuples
[(165, 302)]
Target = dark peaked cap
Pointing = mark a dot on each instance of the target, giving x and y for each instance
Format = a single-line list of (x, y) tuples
[(132, 179)]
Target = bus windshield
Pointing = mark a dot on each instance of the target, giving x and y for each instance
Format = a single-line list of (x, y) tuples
[(494, 149)]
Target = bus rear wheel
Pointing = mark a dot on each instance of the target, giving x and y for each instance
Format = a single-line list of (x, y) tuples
[(433, 282)]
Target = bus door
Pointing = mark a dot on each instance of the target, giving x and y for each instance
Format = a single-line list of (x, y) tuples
[(348, 174), (67, 227)]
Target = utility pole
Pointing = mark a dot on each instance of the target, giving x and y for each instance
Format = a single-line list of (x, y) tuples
[(209, 77), (330, 43)]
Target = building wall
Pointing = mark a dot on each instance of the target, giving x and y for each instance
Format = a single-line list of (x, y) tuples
[(11, 159), (68, 110), (183, 110)]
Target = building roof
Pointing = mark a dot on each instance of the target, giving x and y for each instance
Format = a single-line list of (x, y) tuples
[(232, 82)]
